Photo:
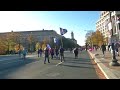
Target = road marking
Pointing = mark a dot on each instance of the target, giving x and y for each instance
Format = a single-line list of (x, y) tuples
[(59, 63)]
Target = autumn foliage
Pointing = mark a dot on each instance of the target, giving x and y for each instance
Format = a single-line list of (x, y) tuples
[(95, 38), (8, 42)]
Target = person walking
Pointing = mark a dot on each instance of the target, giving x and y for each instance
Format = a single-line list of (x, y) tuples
[(38, 52), (103, 47), (56, 52), (46, 55), (19, 52), (52, 52), (24, 52), (76, 53), (62, 54), (41, 52)]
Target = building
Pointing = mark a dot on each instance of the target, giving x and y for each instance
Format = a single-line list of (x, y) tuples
[(72, 38), (38, 35), (103, 24)]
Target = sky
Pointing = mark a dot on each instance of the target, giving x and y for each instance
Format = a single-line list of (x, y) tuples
[(76, 21)]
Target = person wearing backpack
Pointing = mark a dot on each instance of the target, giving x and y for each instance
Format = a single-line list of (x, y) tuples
[(103, 47)]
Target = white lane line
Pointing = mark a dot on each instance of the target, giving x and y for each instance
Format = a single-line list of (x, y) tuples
[(59, 63)]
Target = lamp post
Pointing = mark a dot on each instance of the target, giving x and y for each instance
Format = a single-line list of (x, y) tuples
[(114, 60)]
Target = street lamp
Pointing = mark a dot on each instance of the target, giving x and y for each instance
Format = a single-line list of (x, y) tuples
[(114, 60)]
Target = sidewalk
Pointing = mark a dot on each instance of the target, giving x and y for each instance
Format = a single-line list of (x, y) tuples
[(110, 72)]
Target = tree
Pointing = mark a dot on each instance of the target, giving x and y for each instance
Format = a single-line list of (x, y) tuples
[(95, 39), (44, 43), (17, 47), (3, 47), (11, 40), (68, 43), (99, 38), (37, 46), (31, 41), (8, 41), (89, 37)]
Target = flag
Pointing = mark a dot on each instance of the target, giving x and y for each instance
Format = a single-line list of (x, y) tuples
[(48, 46), (63, 31), (56, 41)]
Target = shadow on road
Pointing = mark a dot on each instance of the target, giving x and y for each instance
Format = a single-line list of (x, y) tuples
[(76, 66), (14, 67), (78, 59), (80, 62)]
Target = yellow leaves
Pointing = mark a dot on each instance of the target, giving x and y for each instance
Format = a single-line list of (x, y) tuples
[(17, 47), (8, 41), (37, 46), (43, 46), (96, 38)]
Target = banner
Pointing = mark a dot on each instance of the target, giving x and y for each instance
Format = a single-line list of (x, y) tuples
[(48, 46)]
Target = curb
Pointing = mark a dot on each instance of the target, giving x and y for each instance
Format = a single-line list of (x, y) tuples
[(106, 71)]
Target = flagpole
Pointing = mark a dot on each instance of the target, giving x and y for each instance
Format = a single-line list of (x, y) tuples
[(61, 42)]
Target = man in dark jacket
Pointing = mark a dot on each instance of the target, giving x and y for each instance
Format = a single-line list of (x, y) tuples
[(62, 54), (103, 47), (46, 55), (52, 52), (76, 53)]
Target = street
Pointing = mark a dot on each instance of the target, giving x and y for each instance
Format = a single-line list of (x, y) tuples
[(14, 67)]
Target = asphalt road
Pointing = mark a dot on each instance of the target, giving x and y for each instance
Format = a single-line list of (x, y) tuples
[(13, 67)]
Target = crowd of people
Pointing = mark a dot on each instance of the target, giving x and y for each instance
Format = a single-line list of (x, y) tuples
[(109, 47), (54, 53), (57, 53)]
